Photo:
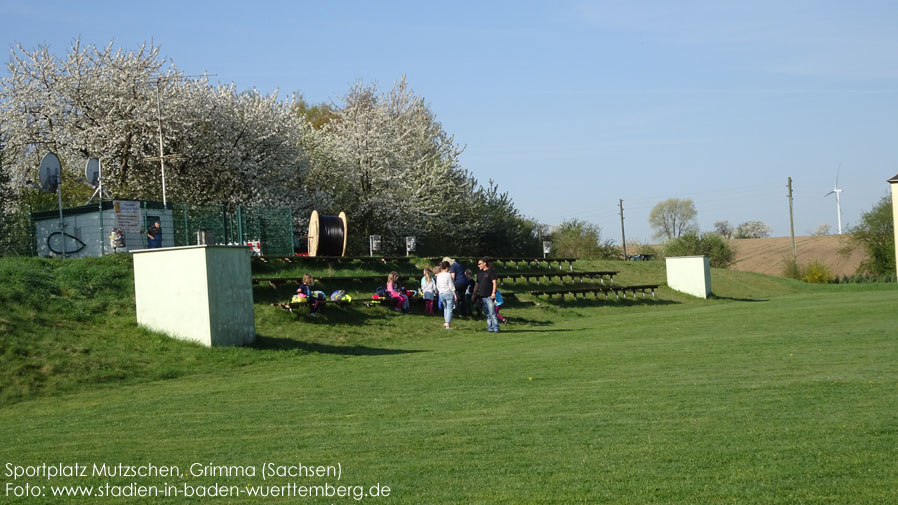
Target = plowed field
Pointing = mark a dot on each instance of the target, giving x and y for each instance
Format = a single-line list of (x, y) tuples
[(769, 255)]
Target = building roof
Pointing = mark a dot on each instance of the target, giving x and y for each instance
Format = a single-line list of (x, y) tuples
[(894, 180)]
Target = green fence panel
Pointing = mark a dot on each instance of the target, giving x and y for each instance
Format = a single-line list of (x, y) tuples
[(272, 227), (189, 219)]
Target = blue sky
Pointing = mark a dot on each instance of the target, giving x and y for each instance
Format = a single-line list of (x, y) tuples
[(571, 106)]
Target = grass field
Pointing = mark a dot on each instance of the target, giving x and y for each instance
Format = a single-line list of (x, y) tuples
[(771, 392)]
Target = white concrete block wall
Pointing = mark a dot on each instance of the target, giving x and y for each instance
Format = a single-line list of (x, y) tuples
[(895, 218), (197, 293), (690, 275), (230, 281)]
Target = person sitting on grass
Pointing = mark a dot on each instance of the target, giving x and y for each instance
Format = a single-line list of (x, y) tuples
[(305, 289), (393, 289)]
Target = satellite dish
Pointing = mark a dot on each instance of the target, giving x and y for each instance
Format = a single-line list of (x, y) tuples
[(49, 171), (92, 172)]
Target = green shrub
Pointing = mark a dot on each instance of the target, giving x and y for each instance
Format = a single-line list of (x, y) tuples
[(579, 239), (814, 271), (817, 273), (15, 235), (635, 247), (863, 279), (876, 235), (791, 269), (656, 252), (712, 245)]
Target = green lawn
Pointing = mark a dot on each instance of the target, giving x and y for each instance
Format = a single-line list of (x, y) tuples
[(772, 392)]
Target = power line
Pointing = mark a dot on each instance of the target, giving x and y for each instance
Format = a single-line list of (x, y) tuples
[(756, 192)]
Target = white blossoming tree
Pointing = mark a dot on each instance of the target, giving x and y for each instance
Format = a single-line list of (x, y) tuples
[(232, 148), (390, 164), (382, 158), (752, 229)]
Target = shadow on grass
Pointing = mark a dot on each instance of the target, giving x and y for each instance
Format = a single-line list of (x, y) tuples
[(516, 320), (716, 297), (286, 344), (347, 315), (601, 302), (513, 330)]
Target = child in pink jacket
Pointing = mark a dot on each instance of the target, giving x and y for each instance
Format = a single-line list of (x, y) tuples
[(393, 289)]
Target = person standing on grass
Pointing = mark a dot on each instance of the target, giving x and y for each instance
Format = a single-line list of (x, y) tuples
[(436, 271), (487, 283), (448, 295), (428, 290), (460, 280), (469, 295)]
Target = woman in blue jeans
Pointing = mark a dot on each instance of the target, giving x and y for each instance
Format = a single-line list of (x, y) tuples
[(446, 289)]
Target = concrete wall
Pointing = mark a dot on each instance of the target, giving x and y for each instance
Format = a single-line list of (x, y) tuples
[(690, 275), (198, 293), (230, 281), (895, 218), (85, 227)]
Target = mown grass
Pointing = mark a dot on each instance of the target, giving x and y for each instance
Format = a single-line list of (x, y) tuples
[(66, 325), (772, 392), (69, 325)]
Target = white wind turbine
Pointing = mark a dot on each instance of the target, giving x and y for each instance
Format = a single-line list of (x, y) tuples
[(837, 192)]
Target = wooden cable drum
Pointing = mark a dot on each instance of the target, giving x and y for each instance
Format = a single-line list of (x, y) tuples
[(327, 235)]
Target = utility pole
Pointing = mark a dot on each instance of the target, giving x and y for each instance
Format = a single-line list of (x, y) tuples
[(623, 238), (792, 225)]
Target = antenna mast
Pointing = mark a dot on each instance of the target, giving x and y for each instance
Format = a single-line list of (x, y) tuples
[(161, 152), (162, 156)]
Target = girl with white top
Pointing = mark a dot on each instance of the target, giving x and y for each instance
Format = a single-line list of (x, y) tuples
[(428, 290), (446, 289)]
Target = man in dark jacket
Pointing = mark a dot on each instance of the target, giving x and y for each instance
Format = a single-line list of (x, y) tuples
[(487, 283), (154, 236)]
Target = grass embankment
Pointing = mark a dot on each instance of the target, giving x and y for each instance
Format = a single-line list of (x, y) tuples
[(67, 325), (773, 392)]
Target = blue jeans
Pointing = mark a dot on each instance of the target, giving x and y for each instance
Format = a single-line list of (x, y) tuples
[(489, 307), (448, 304)]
